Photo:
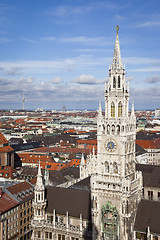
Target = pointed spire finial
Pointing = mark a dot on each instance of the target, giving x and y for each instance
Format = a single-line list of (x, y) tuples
[(93, 150), (100, 108), (117, 28), (82, 160), (39, 169), (132, 112), (117, 55), (39, 183)]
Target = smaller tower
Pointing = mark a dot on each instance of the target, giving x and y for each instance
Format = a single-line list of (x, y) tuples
[(39, 203), (82, 167), (46, 176)]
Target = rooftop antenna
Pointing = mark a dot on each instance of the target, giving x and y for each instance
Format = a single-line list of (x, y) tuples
[(23, 100)]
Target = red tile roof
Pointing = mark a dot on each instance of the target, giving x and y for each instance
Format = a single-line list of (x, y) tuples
[(7, 202), (23, 191), (6, 149), (3, 140), (7, 171), (74, 163), (149, 144), (53, 166), (34, 158), (62, 150)]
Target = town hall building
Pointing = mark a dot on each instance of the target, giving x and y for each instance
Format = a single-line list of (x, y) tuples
[(103, 203)]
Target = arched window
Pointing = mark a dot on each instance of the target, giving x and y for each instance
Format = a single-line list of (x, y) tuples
[(118, 129), (113, 129), (39, 212), (119, 82), (106, 167), (115, 167), (119, 109), (108, 129), (127, 207), (114, 82), (112, 109)]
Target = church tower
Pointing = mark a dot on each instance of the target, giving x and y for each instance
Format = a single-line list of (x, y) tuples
[(115, 184), (39, 205)]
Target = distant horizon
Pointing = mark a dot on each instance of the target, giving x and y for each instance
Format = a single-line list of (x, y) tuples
[(34, 110), (58, 53)]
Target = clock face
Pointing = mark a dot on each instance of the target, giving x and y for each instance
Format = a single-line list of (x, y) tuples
[(110, 145)]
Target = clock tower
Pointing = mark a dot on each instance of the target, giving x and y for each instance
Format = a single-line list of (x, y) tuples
[(115, 184)]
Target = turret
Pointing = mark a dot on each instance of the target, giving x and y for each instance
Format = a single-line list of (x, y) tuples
[(39, 203), (82, 167)]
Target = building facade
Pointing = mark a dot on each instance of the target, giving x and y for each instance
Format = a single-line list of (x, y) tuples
[(115, 184)]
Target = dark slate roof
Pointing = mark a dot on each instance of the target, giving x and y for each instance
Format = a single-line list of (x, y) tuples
[(51, 140), (148, 215), (145, 168), (74, 201), (83, 184), (25, 146), (55, 177), (143, 135), (151, 175), (72, 171), (139, 150)]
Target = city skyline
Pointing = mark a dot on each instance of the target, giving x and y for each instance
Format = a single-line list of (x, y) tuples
[(58, 53)]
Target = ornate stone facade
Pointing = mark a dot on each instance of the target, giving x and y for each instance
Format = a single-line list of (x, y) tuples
[(115, 184)]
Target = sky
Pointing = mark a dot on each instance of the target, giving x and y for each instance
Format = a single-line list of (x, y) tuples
[(57, 53)]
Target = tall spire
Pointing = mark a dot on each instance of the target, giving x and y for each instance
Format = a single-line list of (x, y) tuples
[(132, 112), (117, 64), (82, 160), (100, 109), (39, 183)]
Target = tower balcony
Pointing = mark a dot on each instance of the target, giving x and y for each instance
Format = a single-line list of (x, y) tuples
[(39, 204)]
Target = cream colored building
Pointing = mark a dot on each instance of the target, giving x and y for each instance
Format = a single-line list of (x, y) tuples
[(115, 184)]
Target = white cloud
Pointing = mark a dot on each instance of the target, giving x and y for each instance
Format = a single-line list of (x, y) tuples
[(29, 40), (87, 79), (154, 79), (141, 60), (49, 38), (150, 24), (97, 41), (5, 40), (56, 80), (149, 69)]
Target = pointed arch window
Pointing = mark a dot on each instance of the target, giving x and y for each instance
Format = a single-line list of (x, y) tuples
[(119, 81), (114, 82), (120, 109), (39, 212), (112, 109), (115, 167), (106, 167)]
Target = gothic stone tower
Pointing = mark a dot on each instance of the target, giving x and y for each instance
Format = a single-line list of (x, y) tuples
[(115, 184), (39, 205)]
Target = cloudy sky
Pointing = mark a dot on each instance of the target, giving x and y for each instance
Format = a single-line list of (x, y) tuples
[(58, 52)]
